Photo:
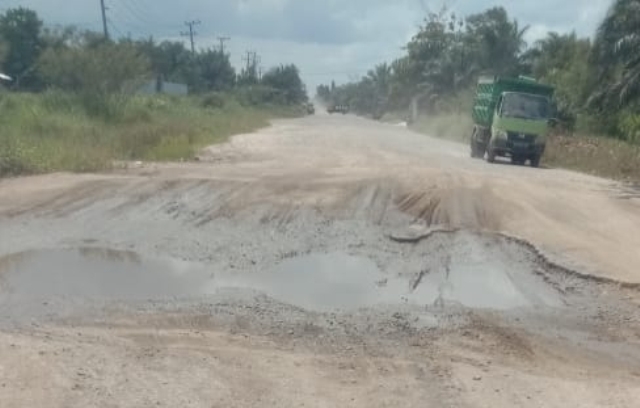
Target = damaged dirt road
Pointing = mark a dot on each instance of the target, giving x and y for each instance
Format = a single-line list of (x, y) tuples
[(322, 262)]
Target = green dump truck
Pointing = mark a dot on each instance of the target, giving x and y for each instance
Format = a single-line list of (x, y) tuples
[(511, 119)]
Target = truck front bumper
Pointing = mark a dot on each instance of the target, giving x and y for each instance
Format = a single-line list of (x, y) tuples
[(510, 148)]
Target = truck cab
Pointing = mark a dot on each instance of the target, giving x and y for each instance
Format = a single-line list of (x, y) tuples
[(511, 120), (520, 127)]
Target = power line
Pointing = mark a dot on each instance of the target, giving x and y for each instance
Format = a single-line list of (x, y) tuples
[(143, 12), (135, 13), (125, 20), (110, 23), (143, 7), (131, 15)]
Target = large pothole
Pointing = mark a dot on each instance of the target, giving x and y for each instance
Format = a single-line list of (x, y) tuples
[(473, 277)]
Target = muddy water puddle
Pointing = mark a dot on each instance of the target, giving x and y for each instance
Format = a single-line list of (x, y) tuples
[(97, 273), (317, 282)]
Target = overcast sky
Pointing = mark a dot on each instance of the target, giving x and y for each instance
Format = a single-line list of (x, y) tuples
[(327, 39)]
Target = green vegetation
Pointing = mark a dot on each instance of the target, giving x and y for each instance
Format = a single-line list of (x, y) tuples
[(597, 81), (74, 102), (55, 131), (600, 156)]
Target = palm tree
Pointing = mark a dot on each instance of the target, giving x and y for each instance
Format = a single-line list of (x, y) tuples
[(380, 80), (617, 54), (381, 77), (496, 41)]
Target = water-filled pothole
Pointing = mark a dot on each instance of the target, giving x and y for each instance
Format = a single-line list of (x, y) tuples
[(96, 272), (317, 281)]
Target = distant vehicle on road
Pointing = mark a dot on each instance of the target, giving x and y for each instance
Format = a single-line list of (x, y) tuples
[(344, 109), (310, 108), (511, 118)]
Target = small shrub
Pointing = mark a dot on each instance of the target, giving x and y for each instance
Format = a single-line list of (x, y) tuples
[(260, 95), (138, 111), (11, 159), (629, 126), (58, 101), (213, 100)]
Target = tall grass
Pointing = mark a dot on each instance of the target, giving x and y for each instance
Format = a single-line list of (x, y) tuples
[(55, 131), (600, 156)]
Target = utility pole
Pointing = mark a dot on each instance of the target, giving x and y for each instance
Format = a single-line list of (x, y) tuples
[(256, 65), (104, 20), (250, 60), (252, 69), (191, 33), (222, 41)]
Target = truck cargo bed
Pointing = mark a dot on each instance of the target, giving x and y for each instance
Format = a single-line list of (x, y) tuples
[(490, 88)]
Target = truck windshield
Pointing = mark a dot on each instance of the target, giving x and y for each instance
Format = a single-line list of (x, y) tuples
[(525, 106)]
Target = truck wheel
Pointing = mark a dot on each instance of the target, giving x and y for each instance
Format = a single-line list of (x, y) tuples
[(474, 150), (535, 161), (472, 144), (477, 149), (491, 155), (517, 160)]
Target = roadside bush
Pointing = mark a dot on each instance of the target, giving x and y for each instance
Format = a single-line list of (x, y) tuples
[(213, 100), (629, 127), (286, 80), (104, 87), (11, 160), (55, 100), (53, 131), (259, 95)]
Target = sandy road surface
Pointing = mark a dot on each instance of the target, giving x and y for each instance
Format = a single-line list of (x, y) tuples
[(325, 261)]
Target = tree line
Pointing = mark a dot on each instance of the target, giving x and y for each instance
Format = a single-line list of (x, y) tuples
[(597, 80), (38, 57)]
